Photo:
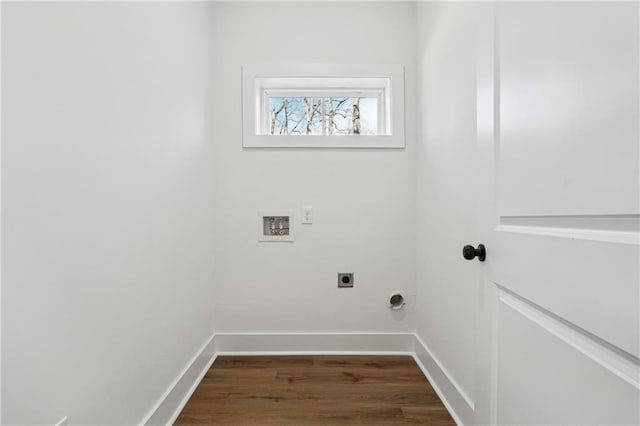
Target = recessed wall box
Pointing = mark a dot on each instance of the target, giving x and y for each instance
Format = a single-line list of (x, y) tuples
[(345, 279), (275, 225)]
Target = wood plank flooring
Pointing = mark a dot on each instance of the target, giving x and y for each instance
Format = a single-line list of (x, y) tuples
[(311, 390)]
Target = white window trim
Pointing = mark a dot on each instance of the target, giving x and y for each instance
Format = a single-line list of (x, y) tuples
[(256, 79)]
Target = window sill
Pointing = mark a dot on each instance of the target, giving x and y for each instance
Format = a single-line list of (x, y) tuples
[(317, 141)]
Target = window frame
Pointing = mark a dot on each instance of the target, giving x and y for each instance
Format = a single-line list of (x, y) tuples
[(261, 81)]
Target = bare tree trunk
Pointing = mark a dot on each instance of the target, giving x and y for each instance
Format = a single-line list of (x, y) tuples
[(330, 122), (356, 116), (285, 123), (274, 116), (311, 110)]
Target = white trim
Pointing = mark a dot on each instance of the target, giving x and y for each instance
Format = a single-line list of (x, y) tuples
[(292, 353), (298, 1), (171, 403), (613, 361), (618, 237), (63, 422), (253, 100), (314, 343), (314, 333), (1, 214), (454, 398)]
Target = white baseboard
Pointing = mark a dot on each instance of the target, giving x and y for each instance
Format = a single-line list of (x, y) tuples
[(175, 398), (453, 397), (314, 343), (173, 401)]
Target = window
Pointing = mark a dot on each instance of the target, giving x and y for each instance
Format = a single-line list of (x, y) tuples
[(322, 114), (323, 106)]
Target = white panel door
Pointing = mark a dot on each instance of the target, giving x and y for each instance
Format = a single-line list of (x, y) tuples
[(558, 134)]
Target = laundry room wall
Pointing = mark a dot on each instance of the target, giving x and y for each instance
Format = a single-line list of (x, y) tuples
[(107, 206), (363, 199)]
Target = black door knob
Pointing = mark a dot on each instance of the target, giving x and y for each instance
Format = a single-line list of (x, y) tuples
[(469, 252)]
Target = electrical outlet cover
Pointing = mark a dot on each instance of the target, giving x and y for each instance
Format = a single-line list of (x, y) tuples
[(307, 215)]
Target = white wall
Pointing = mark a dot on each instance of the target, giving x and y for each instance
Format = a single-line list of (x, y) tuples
[(107, 196), (447, 286), (363, 199)]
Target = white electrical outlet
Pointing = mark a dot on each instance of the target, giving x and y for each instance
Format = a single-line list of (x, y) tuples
[(307, 215), (63, 422)]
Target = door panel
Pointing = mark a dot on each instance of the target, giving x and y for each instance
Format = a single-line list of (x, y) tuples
[(549, 378), (560, 314), (592, 284), (568, 109)]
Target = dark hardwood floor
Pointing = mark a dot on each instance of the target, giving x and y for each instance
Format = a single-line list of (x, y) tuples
[(309, 390)]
